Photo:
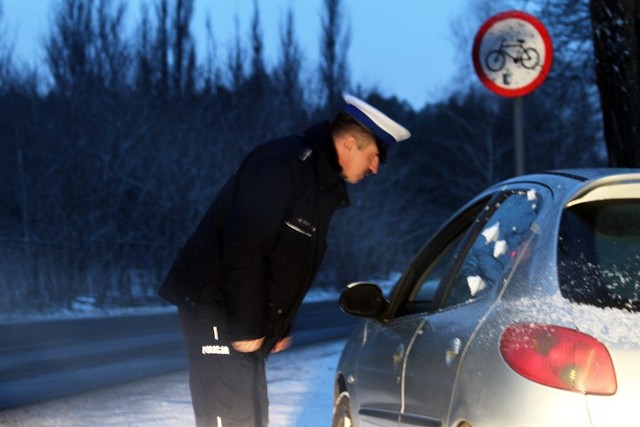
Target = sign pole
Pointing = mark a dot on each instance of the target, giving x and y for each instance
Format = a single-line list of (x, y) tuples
[(518, 136)]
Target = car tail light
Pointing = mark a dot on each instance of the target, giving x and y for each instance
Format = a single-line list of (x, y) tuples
[(559, 357)]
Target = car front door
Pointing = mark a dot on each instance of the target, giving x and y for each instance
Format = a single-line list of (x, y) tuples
[(379, 370), (381, 362)]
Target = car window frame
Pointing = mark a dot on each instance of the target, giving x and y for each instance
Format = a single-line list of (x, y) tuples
[(496, 202), (463, 223), (469, 222)]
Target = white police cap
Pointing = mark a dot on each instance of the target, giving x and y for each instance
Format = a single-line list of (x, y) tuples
[(383, 127)]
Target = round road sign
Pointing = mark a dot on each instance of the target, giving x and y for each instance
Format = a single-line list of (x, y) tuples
[(512, 53)]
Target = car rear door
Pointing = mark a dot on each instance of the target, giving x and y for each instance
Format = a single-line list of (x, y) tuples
[(482, 261), (432, 363)]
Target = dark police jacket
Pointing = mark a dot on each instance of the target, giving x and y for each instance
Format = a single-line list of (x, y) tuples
[(254, 255)]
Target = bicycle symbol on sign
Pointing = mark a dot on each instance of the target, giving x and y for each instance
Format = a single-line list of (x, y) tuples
[(528, 57)]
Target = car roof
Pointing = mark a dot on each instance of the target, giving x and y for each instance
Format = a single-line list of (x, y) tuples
[(589, 174), (572, 180), (578, 175), (566, 184)]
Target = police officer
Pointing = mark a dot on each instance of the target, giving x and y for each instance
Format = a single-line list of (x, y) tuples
[(241, 276)]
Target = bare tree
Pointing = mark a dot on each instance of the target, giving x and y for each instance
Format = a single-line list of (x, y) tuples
[(85, 49), (258, 73), (69, 46), (166, 58), (112, 51), (144, 72), (287, 71), (288, 90), (566, 107), (6, 55), (160, 48), (211, 69), (616, 35), (236, 61), (183, 48), (334, 46)]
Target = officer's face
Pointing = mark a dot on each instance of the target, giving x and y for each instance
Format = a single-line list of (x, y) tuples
[(361, 162)]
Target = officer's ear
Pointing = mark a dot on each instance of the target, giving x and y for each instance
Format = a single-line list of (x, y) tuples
[(350, 142), (345, 143)]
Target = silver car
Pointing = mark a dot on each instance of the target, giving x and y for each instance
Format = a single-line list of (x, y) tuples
[(521, 311)]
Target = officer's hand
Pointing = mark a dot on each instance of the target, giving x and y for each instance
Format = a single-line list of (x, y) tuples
[(283, 344), (248, 346)]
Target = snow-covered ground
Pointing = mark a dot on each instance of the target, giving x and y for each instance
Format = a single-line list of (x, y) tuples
[(300, 382)]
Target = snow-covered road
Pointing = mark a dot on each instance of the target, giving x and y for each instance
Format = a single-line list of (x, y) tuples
[(300, 393)]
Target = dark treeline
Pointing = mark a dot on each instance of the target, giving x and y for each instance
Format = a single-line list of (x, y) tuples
[(109, 164)]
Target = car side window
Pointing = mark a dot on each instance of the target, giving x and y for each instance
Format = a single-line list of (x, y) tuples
[(494, 248), (424, 294), (433, 264)]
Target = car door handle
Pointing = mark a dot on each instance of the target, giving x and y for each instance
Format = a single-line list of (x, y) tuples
[(454, 350), (398, 355)]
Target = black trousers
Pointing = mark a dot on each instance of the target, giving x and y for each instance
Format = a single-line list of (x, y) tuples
[(228, 388)]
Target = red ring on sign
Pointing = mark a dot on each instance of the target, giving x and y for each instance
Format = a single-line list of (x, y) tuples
[(546, 66)]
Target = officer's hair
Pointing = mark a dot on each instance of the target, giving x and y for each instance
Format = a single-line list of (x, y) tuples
[(344, 123)]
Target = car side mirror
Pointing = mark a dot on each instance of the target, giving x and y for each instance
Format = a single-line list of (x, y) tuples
[(363, 299)]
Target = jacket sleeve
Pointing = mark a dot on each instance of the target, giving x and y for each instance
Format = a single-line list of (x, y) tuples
[(264, 197)]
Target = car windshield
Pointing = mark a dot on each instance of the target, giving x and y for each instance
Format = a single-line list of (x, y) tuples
[(599, 254)]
